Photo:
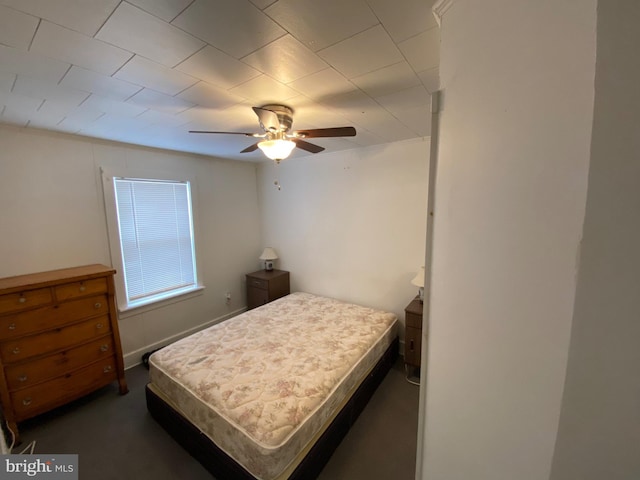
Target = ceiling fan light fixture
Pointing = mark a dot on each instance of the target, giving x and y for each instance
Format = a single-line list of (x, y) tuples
[(277, 149)]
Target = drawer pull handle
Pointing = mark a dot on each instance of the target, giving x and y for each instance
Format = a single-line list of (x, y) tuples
[(99, 325), (22, 300), (107, 369), (82, 288), (104, 348), (22, 378), (411, 345), (97, 305), (12, 326), (27, 401), (16, 351)]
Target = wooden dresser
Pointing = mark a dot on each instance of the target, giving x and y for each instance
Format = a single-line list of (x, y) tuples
[(265, 286), (59, 339)]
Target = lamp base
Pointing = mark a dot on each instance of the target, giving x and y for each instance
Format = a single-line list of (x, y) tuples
[(421, 294), (268, 265)]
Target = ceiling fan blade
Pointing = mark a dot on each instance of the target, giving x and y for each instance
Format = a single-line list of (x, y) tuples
[(268, 119), (227, 133), (326, 132), (309, 147), (250, 148)]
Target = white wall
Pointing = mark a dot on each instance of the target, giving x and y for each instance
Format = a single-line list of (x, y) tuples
[(599, 432), (517, 79), (53, 217), (350, 225)]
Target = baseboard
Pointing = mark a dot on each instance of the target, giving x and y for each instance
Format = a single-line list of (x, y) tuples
[(134, 358)]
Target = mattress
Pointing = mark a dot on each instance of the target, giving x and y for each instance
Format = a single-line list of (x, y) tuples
[(263, 385)]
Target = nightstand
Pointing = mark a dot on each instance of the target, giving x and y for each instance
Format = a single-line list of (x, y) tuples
[(264, 286), (413, 337)]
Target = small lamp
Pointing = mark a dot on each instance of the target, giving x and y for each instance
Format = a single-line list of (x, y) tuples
[(418, 281), (268, 255)]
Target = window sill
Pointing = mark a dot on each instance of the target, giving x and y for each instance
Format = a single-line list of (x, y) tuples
[(133, 309)]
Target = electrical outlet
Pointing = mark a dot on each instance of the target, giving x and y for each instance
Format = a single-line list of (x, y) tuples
[(227, 297)]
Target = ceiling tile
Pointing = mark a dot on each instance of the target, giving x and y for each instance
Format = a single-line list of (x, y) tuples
[(37, 88), (16, 61), (234, 26), (161, 42), (404, 18), (58, 42), (422, 51), (19, 102), (365, 138), (319, 24), (83, 114), (313, 115), (263, 90), (409, 98), (84, 16), (418, 119), (325, 83), (14, 116), (366, 112), (141, 71), (368, 51), (209, 96), (6, 81), (154, 117), (286, 60), (159, 101), (353, 105), (217, 68), (167, 10), (16, 28), (430, 79), (103, 85), (43, 120), (109, 126), (237, 118), (387, 80), (411, 107), (113, 107), (262, 4)]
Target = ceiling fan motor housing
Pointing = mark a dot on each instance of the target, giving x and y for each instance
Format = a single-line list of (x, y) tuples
[(285, 115)]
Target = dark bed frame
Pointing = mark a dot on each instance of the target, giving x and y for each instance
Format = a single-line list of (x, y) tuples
[(221, 466)]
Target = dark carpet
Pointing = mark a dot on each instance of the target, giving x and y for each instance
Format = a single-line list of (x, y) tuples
[(116, 438)]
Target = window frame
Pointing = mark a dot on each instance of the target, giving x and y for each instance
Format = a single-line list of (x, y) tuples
[(113, 235)]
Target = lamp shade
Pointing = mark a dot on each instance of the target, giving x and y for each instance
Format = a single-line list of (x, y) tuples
[(418, 280), (278, 149), (269, 254)]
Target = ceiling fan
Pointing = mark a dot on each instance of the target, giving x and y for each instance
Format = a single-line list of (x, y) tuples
[(278, 141)]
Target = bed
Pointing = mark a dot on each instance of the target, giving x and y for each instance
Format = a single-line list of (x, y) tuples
[(270, 393)]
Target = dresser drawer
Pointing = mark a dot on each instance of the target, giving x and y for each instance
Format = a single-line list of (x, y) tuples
[(15, 302), (257, 283), (58, 339), (257, 297), (413, 320), (80, 289), (29, 373), (58, 391), (412, 346), (52, 317)]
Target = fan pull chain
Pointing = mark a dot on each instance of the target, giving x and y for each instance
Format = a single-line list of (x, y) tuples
[(276, 182)]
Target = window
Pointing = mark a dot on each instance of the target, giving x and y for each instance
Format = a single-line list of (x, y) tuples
[(151, 238)]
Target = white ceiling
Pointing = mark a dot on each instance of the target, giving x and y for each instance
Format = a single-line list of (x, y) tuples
[(147, 71)]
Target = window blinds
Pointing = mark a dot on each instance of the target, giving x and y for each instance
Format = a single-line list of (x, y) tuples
[(156, 236)]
